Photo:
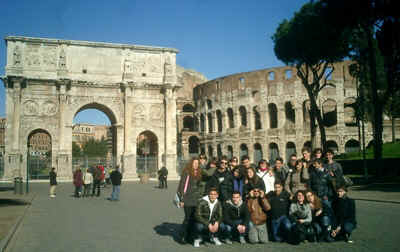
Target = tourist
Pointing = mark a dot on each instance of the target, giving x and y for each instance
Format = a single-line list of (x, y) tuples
[(203, 161), (208, 218), (296, 179), (207, 172), (321, 217), (334, 169), (245, 164), (307, 164), (266, 174), (189, 192), (162, 177), (87, 183), (238, 181), (279, 171), (292, 163), (78, 182), (300, 214), (53, 182), (345, 213), (320, 182), (97, 174), (222, 180), (116, 178), (252, 181), (317, 153), (233, 162), (236, 219), (258, 206), (279, 200)]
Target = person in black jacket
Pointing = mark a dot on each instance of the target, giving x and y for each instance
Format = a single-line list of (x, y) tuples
[(280, 203), (222, 180), (252, 181), (345, 213), (116, 178), (320, 182), (236, 218), (162, 177), (53, 182)]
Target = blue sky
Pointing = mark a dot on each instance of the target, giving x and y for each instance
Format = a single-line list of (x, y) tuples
[(216, 38)]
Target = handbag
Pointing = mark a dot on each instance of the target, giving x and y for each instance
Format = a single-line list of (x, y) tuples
[(177, 199)]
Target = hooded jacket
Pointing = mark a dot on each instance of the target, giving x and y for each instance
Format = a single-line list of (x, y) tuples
[(234, 213), (207, 212), (257, 209)]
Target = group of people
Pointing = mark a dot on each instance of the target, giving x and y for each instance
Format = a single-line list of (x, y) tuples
[(303, 200)]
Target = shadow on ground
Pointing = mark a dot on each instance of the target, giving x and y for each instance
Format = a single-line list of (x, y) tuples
[(13, 202), (169, 229), (6, 188)]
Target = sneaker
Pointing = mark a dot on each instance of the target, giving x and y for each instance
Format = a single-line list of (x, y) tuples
[(242, 240), (216, 241), (228, 241), (52, 196), (196, 243)]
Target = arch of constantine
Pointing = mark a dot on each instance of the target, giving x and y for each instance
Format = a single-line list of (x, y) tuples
[(48, 81)]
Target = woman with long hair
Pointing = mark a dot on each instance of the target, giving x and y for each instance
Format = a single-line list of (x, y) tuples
[(296, 180), (252, 181), (321, 217), (189, 192)]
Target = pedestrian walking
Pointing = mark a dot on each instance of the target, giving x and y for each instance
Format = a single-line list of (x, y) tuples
[(162, 177), (116, 178), (78, 182), (53, 182)]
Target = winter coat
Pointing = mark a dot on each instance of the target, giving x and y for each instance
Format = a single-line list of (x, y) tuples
[(252, 185), (97, 173), (345, 211), (269, 180), (238, 185), (203, 212), (296, 181), (53, 178), (297, 212), (206, 174), (321, 184), (258, 208), (78, 180), (193, 191), (234, 213), (279, 204), (280, 175), (88, 178), (223, 181), (116, 177)]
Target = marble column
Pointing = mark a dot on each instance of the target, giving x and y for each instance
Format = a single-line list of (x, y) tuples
[(170, 132)]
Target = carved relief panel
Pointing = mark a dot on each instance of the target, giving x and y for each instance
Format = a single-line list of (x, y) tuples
[(46, 108)]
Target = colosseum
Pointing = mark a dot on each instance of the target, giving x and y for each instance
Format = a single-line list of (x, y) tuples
[(264, 114)]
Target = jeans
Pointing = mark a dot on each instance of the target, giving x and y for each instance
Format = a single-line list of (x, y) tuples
[(96, 184), (115, 192), (201, 229), (280, 227), (228, 230), (78, 191), (86, 188), (258, 233), (163, 183), (348, 227)]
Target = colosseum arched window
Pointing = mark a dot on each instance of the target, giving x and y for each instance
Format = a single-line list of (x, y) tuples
[(329, 113), (219, 120), (244, 151), (273, 152), (352, 146), (188, 123), (194, 145), (230, 151), (258, 153), (271, 75), (257, 118), (219, 150), (290, 149), (290, 112), (350, 112), (210, 152), (231, 121), (209, 104), (210, 122), (243, 116), (188, 108), (202, 123), (288, 74), (273, 116), (332, 145)]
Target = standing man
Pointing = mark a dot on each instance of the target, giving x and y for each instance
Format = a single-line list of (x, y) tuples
[(222, 180), (53, 182), (162, 177), (97, 173), (334, 169), (116, 178)]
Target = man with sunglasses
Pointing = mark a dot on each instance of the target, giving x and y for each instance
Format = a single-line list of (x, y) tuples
[(222, 180)]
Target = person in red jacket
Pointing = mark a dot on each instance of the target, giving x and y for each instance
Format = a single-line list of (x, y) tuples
[(78, 182)]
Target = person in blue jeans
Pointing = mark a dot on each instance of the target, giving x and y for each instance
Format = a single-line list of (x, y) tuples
[(116, 178), (279, 200)]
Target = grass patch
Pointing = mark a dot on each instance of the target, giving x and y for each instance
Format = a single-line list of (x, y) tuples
[(390, 150)]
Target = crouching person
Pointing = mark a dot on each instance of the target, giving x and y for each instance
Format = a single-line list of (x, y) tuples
[(258, 205), (236, 219), (208, 218)]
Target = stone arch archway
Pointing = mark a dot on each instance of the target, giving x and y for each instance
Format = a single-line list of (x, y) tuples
[(39, 154), (147, 153)]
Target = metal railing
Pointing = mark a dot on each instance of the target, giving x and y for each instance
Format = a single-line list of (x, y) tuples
[(39, 167)]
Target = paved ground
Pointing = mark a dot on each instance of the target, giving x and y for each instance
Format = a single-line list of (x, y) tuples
[(146, 220)]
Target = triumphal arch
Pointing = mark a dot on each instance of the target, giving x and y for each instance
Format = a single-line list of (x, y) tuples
[(48, 81)]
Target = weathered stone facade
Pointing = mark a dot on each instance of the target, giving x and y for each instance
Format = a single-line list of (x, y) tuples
[(2, 135), (264, 113), (49, 81)]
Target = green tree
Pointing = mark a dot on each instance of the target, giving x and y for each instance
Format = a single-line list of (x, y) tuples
[(309, 43), (95, 148), (76, 150)]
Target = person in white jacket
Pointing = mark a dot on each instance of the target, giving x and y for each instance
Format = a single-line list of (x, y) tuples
[(266, 174), (87, 183)]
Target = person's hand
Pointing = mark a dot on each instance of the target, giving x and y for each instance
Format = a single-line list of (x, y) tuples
[(330, 172), (241, 228), (300, 221), (251, 193), (246, 181), (262, 194), (318, 213), (181, 204)]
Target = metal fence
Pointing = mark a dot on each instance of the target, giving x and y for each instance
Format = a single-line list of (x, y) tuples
[(85, 162), (147, 165), (39, 167)]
